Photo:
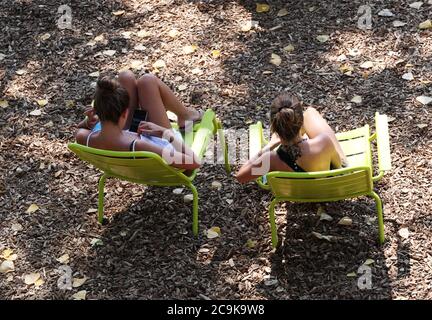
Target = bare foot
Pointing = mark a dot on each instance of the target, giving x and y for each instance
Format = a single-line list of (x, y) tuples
[(193, 115)]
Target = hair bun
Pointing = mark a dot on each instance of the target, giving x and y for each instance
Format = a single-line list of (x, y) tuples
[(106, 84)]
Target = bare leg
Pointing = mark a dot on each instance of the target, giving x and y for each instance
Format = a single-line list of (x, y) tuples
[(155, 97), (128, 81), (314, 124)]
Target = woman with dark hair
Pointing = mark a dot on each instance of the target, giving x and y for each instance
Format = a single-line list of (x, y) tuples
[(304, 139), (107, 124)]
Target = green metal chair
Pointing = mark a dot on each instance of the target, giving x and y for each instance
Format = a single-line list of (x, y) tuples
[(353, 181), (149, 168)]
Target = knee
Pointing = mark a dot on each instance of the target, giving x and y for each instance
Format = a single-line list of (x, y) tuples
[(147, 79), (127, 78)]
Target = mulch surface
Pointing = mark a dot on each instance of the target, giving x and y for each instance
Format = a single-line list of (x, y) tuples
[(147, 250)]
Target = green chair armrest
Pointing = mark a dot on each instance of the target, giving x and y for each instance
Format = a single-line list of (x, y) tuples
[(202, 136), (256, 139)]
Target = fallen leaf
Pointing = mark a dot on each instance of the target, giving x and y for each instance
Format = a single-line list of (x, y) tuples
[(80, 295), (422, 125), (267, 72), (4, 104), (248, 25), (45, 36), (229, 201), (189, 49), (33, 208), (404, 233), (94, 74), (109, 53), (289, 48), (216, 185), (31, 278), (188, 198), (345, 221), (173, 33), (20, 72), (182, 87), (196, 71), (137, 64), (351, 275), (78, 282), (416, 5), (321, 236), (91, 210), (369, 262), (12, 257), (7, 266), (178, 190), (367, 65), (126, 34), (346, 68), (96, 242), (159, 64), (326, 217), (143, 34), (42, 102), (99, 38), (385, 13), (275, 59), (70, 103), (262, 7), (216, 53), (357, 99), (118, 12), (17, 227), (323, 38), (140, 47), (211, 234), (425, 25), (408, 76), (36, 112), (424, 100), (398, 23), (2, 56), (6, 253), (39, 282), (251, 243), (231, 262), (64, 259), (282, 12)]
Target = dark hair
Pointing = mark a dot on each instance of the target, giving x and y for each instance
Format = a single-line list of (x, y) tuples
[(110, 100), (286, 117)]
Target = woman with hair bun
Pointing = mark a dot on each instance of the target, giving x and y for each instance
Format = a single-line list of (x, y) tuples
[(107, 124), (304, 139)]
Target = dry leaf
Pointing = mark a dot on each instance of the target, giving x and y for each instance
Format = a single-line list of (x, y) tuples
[(70, 103), (4, 104), (282, 12), (94, 74), (216, 53), (404, 233), (143, 34), (196, 71), (63, 259), (42, 102), (12, 257), (20, 72), (216, 185), (213, 233), (422, 125), (425, 25), (251, 243), (289, 48), (45, 36), (424, 100), (36, 112), (321, 236), (99, 38), (33, 208), (262, 7), (188, 198), (326, 217), (96, 242), (367, 65), (357, 99), (229, 201), (351, 275), (248, 25), (159, 64), (416, 5), (275, 59), (17, 227), (398, 23), (369, 262), (109, 53), (39, 282), (118, 12), (182, 87), (2, 56), (189, 49), (91, 210), (408, 76), (78, 282), (7, 266), (126, 34), (31, 278), (323, 38), (345, 221), (137, 64), (80, 295), (178, 190), (231, 262), (173, 33), (6, 253), (385, 13), (140, 47)]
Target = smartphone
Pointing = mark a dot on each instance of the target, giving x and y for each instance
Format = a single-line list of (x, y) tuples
[(138, 116)]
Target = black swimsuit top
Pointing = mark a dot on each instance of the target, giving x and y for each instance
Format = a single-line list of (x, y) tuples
[(289, 159)]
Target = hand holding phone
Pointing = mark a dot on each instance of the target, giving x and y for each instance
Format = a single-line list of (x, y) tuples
[(138, 117)]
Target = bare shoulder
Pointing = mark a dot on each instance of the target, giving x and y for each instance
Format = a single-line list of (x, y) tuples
[(81, 136)]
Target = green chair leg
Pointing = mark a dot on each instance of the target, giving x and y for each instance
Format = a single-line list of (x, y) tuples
[(274, 236), (194, 209), (379, 208), (101, 187)]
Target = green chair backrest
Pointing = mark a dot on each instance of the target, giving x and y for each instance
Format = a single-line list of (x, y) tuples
[(343, 183)]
